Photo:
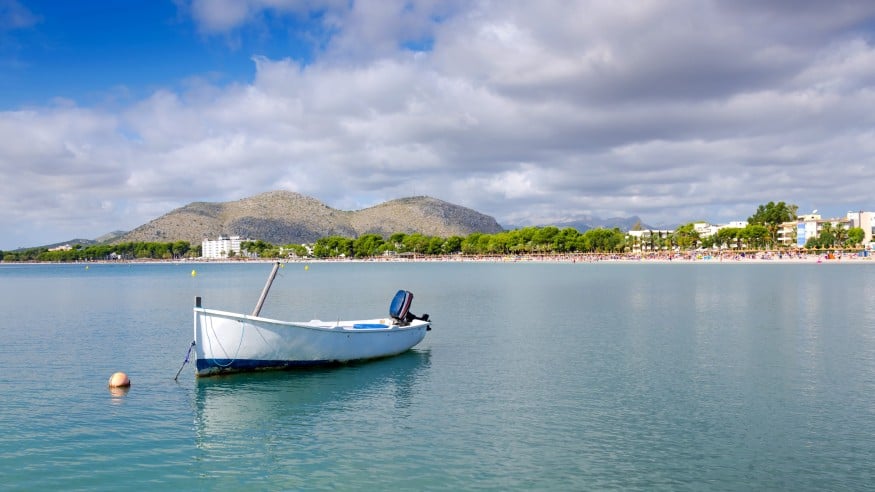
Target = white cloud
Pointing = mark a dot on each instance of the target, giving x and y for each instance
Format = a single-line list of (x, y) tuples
[(221, 15), (14, 15)]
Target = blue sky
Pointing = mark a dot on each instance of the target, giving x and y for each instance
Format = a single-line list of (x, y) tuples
[(114, 113), (83, 50)]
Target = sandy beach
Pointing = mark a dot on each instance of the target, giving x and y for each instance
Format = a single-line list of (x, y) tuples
[(762, 257), (679, 258)]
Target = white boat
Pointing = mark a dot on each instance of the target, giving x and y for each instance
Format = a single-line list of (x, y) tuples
[(227, 342)]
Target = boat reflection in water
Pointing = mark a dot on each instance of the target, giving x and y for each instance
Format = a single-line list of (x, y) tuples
[(241, 416)]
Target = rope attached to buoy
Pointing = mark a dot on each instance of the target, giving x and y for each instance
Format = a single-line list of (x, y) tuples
[(185, 361)]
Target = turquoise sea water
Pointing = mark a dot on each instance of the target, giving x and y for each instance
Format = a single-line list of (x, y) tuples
[(535, 376)]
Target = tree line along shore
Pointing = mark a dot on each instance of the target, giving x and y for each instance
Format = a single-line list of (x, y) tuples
[(528, 242), (758, 237)]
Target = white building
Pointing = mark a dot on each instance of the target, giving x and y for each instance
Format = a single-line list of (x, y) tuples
[(707, 230), (222, 247), (865, 221), (806, 227), (704, 229)]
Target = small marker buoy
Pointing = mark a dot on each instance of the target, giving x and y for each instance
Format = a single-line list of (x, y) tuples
[(194, 273), (306, 267), (119, 380)]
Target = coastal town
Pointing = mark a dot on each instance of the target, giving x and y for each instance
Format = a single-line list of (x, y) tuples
[(806, 237), (774, 232)]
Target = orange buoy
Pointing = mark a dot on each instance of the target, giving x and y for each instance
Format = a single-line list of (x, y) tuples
[(119, 380)]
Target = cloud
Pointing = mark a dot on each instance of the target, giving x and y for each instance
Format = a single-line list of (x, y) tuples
[(14, 15), (531, 112)]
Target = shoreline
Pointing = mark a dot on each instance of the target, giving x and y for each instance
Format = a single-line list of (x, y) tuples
[(675, 258)]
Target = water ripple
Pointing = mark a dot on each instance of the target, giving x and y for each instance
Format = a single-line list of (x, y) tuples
[(536, 377)]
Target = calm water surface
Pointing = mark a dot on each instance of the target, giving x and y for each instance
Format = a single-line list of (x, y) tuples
[(536, 376)]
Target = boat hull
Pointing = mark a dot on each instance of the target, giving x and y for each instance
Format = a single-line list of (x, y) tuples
[(231, 342)]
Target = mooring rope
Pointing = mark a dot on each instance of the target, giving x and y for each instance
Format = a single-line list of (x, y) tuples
[(236, 352), (185, 361)]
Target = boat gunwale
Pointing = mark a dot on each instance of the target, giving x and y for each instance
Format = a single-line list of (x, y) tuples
[(332, 326)]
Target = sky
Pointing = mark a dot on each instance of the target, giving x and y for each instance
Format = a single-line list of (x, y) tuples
[(115, 113)]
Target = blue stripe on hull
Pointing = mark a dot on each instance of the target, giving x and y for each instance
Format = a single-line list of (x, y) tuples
[(218, 366)]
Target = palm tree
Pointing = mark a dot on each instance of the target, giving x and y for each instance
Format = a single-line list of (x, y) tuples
[(840, 233), (826, 234)]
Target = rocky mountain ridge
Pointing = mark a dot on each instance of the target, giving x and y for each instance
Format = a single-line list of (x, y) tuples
[(285, 217), (590, 222)]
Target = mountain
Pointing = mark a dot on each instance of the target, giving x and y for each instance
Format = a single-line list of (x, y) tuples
[(625, 224), (109, 237), (71, 242), (285, 217)]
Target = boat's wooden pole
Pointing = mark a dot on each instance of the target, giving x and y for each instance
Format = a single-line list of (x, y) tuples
[(261, 299)]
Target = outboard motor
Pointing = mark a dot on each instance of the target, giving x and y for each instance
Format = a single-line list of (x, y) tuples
[(399, 310), (400, 306)]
